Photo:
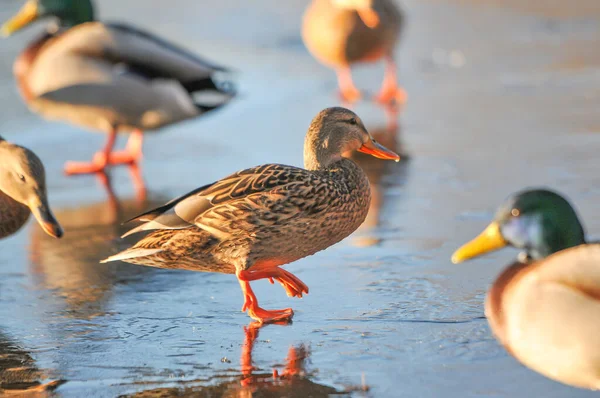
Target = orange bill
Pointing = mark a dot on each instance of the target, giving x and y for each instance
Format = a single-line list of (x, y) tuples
[(42, 213), (369, 17), (374, 148), (52, 229)]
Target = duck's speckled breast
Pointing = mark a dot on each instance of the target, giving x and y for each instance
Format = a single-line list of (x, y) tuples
[(333, 210), (13, 215)]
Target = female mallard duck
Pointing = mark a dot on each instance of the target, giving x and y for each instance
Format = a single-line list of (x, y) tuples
[(23, 191), (546, 309), (258, 219), (342, 32), (107, 77)]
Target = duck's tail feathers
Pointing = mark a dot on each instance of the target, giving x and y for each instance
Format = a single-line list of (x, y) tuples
[(158, 211), (137, 229), (211, 92), (131, 253), (145, 217), (220, 83)]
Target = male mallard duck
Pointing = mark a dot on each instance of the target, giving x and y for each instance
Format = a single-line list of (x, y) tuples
[(23, 191), (342, 32), (252, 222), (107, 77), (546, 311)]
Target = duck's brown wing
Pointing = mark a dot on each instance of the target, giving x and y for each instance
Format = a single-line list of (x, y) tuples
[(233, 197)]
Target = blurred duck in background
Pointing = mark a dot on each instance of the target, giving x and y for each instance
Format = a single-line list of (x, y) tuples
[(23, 191), (339, 33), (109, 77), (545, 308)]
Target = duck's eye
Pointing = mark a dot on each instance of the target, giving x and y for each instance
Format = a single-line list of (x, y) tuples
[(22, 177), (515, 212), (353, 121)]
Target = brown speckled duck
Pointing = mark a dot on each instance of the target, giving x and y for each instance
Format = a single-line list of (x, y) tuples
[(340, 33), (23, 191), (256, 220), (108, 77)]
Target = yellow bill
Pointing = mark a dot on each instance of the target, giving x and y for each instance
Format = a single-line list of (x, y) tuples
[(27, 14), (489, 240)]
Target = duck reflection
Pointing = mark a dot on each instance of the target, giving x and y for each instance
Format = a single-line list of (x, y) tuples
[(19, 375), (292, 381), (136, 180), (377, 172), (70, 266), (293, 376)]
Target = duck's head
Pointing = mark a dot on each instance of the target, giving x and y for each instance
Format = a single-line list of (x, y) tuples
[(539, 221), (68, 13), (335, 132), (364, 8), (22, 177)]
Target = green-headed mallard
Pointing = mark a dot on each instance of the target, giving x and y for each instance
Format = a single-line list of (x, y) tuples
[(256, 220), (107, 77), (23, 191), (545, 310), (340, 33)]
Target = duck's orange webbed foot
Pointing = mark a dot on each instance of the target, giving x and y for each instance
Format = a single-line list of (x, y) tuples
[(290, 290), (293, 286), (98, 164), (251, 303), (131, 155), (72, 168), (270, 316)]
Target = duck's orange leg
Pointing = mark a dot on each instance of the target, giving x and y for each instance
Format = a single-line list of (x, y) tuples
[(251, 303), (99, 162), (293, 286), (131, 155), (348, 90), (390, 91), (133, 150)]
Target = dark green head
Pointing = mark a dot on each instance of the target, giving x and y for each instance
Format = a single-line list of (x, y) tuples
[(68, 12), (539, 221)]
